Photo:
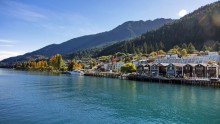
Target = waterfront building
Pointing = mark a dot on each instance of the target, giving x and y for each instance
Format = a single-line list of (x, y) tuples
[(162, 68), (201, 70), (147, 69), (144, 69), (140, 69), (212, 70), (175, 69), (189, 70), (154, 70), (117, 65)]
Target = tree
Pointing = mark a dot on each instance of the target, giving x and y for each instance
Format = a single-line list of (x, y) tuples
[(153, 53), (184, 46), (217, 46), (145, 48), (161, 45), (161, 52), (176, 47), (56, 62), (60, 62), (71, 65), (128, 68), (174, 51), (156, 47), (133, 49), (206, 48), (191, 48), (125, 47), (184, 52)]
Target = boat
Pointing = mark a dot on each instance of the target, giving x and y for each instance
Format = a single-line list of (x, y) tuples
[(77, 72)]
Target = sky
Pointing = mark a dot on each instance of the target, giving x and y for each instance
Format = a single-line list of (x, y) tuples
[(28, 25)]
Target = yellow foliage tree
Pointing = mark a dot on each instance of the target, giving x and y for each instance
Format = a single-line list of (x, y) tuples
[(183, 52), (174, 51), (56, 62), (153, 53), (161, 52)]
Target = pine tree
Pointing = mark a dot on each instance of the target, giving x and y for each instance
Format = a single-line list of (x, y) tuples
[(191, 48), (145, 48)]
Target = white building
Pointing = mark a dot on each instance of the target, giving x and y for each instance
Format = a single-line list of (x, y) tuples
[(135, 62), (140, 62), (117, 65), (172, 56), (113, 66), (105, 66), (212, 53), (190, 59)]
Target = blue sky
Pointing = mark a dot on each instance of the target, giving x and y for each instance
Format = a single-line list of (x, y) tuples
[(27, 25)]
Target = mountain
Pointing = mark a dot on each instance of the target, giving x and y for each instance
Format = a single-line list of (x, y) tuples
[(201, 28), (127, 30)]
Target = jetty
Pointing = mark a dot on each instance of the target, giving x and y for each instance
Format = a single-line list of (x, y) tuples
[(182, 81), (108, 75)]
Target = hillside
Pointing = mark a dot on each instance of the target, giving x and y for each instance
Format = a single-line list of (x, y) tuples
[(127, 30), (201, 28)]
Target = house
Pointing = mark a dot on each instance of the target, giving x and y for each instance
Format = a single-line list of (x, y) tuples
[(147, 69), (212, 70), (140, 69), (212, 53), (142, 62), (135, 62), (189, 70), (162, 68), (154, 70), (119, 64), (115, 66), (171, 56), (200, 70), (175, 69), (110, 66), (104, 66)]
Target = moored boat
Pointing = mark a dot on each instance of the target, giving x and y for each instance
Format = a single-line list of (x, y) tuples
[(77, 72)]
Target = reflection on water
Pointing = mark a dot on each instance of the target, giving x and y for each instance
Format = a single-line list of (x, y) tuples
[(35, 97)]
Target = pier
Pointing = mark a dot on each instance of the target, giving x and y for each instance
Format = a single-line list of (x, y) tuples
[(181, 81), (108, 75)]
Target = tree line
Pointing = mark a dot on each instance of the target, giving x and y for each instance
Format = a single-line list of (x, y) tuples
[(54, 63)]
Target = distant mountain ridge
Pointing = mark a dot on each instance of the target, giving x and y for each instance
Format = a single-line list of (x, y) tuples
[(126, 30), (201, 28)]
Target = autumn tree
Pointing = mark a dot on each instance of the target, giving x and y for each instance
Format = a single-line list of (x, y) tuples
[(153, 53), (56, 62), (128, 68), (183, 52), (161, 52)]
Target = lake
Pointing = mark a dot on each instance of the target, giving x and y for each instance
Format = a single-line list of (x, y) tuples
[(35, 97)]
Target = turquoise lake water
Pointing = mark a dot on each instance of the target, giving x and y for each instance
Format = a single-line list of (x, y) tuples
[(33, 97)]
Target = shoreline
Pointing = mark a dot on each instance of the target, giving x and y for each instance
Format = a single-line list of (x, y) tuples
[(181, 81)]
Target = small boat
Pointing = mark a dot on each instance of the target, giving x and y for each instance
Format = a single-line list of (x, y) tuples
[(77, 72)]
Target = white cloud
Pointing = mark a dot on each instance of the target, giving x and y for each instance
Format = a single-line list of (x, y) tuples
[(6, 43), (7, 54), (182, 12), (23, 11)]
